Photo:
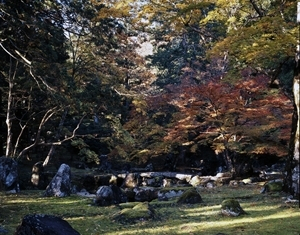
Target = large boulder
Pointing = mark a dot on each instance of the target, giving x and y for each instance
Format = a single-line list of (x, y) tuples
[(8, 174), (60, 185), (109, 195), (39, 224)]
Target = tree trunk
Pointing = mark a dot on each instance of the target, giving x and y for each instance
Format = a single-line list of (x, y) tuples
[(292, 166), (9, 113), (52, 149)]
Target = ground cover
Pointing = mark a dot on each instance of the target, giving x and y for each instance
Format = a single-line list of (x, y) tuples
[(266, 213)]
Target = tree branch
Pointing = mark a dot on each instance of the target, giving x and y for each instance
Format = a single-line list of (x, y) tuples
[(256, 8)]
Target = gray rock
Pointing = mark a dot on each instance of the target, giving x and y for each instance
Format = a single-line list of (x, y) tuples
[(109, 195), (144, 194), (39, 224), (9, 174), (60, 185), (165, 195)]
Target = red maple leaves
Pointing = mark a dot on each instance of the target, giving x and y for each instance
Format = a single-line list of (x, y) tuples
[(247, 116)]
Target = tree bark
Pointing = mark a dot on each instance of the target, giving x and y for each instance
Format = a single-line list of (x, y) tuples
[(292, 166), (9, 112)]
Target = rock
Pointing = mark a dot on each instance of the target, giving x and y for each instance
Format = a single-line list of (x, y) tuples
[(109, 195), (93, 182), (38, 178), (210, 184), (39, 224), (130, 194), (231, 207), (131, 180), (144, 194), (2, 230), (272, 186), (190, 196), (153, 182), (104, 196), (167, 183), (60, 185), (84, 193), (199, 180), (9, 174), (140, 212), (166, 194)]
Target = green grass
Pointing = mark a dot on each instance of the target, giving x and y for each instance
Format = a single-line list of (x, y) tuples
[(266, 214)]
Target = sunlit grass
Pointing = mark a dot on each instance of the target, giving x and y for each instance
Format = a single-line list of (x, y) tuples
[(266, 214)]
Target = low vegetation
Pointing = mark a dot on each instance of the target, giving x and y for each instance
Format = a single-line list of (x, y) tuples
[(266, 213)]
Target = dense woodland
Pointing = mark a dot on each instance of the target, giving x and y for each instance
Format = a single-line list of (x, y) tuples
[(177, 82)]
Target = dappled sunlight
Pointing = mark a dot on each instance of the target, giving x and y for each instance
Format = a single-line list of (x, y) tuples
[(201, 211), (258, 207), (264, 212), (225, 222), (45, 200)]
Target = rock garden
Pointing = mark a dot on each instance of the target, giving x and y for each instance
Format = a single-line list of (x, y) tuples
[(88, 201)]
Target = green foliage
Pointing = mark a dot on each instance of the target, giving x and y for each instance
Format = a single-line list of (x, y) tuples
[(83, 59), (88, 156), (78, 143)]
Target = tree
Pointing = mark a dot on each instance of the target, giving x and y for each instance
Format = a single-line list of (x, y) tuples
[(248, 39), (106, 73), (32, 42), (267, 48), (180, 41)]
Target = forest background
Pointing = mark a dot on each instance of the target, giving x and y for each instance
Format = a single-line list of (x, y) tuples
[(162, 82)]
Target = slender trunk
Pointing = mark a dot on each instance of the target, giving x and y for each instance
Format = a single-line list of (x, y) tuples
[(9, 112), (49, 155), (53, 147)]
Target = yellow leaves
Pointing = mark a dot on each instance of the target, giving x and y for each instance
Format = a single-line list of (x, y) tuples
[(140, 106), (115, 9), (265, 43), (175, 15)]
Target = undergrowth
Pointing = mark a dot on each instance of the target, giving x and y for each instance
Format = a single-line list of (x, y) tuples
[(266, 214)]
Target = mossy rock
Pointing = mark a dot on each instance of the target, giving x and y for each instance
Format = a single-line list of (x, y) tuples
[(190, 196), (139, 212), (231, 207)]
